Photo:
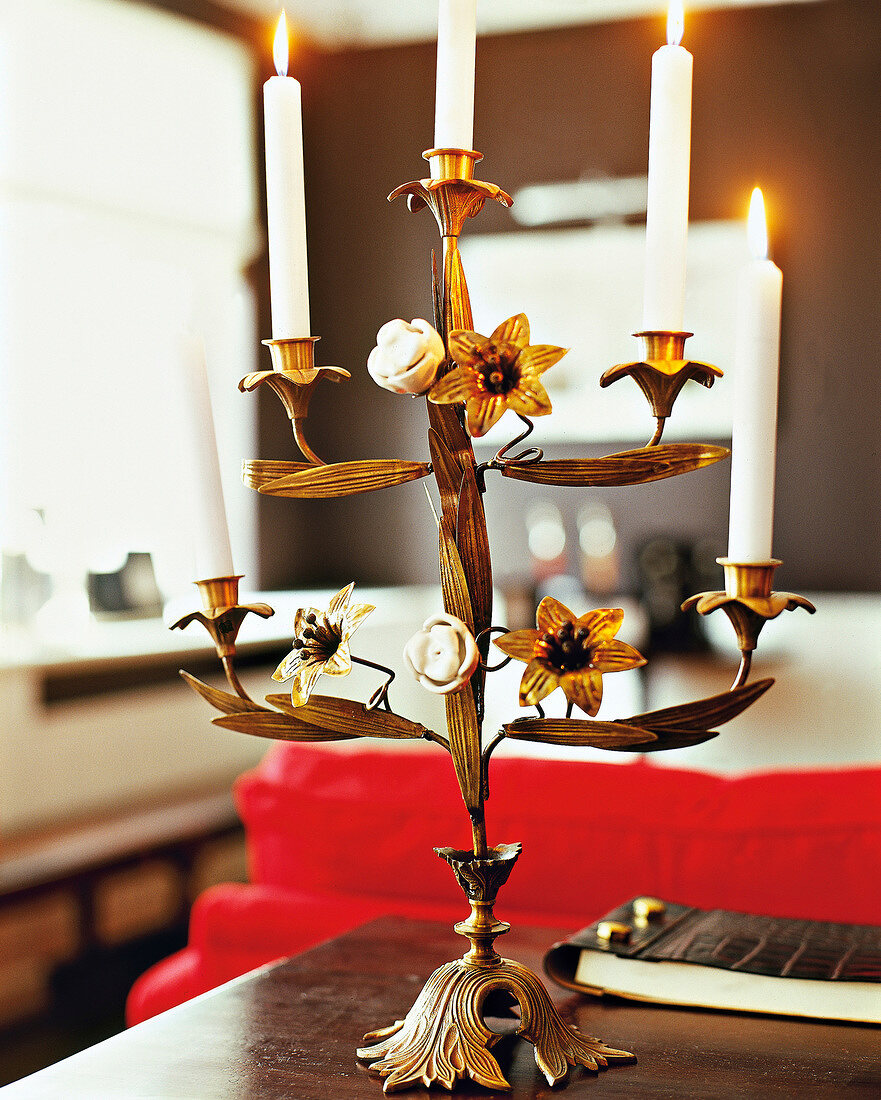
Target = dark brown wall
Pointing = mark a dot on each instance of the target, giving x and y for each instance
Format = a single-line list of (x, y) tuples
[(787, 97)]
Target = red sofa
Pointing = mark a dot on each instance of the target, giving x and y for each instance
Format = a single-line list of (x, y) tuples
[(339, 838)]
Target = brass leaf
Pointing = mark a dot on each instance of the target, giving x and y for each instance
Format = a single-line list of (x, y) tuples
[(703, 714), (222, 700), (345, 716), (278, 727), (447, 471), (578, 731), (625, 468), (437, 295), (445, 421), (457, 600), (473, 546), (257, 472), (673, 739), (457, 306), (337, 480), (464, 731)]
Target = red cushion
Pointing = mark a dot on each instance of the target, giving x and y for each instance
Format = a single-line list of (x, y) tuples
[(595, 834), (336, 839), (169, 983)]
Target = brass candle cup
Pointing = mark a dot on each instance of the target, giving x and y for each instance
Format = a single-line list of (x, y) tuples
[(452, 164), (219, 593), (451, 193), (293, 355)]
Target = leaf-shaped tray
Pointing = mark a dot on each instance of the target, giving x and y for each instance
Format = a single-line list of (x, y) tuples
[(323, 718), (340, 479), (702, 714), (279, 727), (672, 739), (625, 468), (345, 717), (221, 700), (578, 731), (671, 728)]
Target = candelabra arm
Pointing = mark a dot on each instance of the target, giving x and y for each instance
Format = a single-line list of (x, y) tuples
[(746, 660), (430, 735), (298, 424)]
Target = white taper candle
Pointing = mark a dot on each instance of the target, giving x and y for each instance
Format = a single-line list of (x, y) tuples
[(454, 98), (285, 197), (667, 201), (213, 555), (756, 366)]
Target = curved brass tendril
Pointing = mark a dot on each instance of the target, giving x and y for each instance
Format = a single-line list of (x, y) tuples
[(233, 679), (526, 457), (380, 696), (488, 632)]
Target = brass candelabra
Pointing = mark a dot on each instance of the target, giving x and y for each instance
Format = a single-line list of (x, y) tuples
[(444, 1036)]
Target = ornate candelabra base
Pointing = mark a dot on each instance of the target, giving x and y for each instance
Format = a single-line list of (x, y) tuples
[(444, 1036)]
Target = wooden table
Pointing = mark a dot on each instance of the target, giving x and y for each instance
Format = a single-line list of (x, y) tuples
[(289, 1031)]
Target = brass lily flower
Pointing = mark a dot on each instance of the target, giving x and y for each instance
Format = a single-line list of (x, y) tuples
[(321, 644), (569, 652), (496, 373)]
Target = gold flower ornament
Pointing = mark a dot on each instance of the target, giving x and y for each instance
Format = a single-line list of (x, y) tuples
[(496, 373), (569, 652), (321, 644)]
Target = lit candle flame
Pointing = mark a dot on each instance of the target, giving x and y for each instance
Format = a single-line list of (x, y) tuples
[(675, 22), (280, 45), (757, 226)]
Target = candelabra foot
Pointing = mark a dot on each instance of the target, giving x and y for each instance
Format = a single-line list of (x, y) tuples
[(444, 1037)]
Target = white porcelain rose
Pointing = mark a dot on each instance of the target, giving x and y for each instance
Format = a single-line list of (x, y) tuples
[(442, 655), (406, 357)]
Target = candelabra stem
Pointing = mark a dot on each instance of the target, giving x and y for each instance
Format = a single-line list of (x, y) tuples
[(659, 431), (746, 660), (298, 424), (233, 679), (478, 833)]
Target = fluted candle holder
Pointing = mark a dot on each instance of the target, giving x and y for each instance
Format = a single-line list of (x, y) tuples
[(222, 616), (662, 372), (293, 377), (749, 602)]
